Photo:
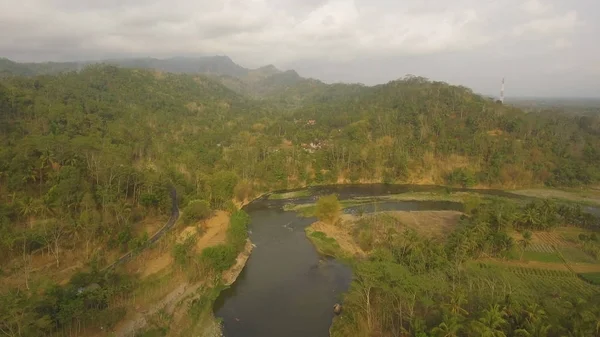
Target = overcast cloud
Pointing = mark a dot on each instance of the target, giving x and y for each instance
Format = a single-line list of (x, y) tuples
[(543, 47)]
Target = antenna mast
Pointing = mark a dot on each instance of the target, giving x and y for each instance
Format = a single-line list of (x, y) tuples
[(502, 92)]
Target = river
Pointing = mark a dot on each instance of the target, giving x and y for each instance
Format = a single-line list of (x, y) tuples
[(286, 288)]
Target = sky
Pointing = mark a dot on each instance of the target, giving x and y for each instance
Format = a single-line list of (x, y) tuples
[(542, 47)]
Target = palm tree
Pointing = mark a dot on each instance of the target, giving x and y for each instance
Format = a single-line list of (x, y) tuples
[(535, 325), (457, 300), (491, 322), (530, 217), (539, 329), (449, 327), (524, 242)]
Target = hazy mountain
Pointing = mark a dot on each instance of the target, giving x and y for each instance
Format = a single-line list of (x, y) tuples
[(261, 82)]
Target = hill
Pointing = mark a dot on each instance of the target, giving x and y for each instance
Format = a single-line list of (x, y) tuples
[(263, 82)]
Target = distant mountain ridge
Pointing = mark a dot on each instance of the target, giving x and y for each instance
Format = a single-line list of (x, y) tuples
[(261, 82), (216, 65)]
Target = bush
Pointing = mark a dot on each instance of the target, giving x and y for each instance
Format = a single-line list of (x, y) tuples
[(149, 200), (196, 210), (219, 258), (365, 240), (237, 233), (328, 209), (229, 206), (243, 190), (462, 177)]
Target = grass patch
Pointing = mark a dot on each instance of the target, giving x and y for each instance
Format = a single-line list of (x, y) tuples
[(305, 210), (593, 278), (542, 257), (573, 254), (289, 195), (308, 210), (324, 244), (591, 198), (429, 196)]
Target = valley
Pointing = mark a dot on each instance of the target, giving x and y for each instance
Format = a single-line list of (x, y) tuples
[(423, 208)]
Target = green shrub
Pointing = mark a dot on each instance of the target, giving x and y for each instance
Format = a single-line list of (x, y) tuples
[(237, 233), (328, 209), (196, 210), (182, 251), (365, 240), (229, 206), (219, 258), (243, 190), (462, 177)]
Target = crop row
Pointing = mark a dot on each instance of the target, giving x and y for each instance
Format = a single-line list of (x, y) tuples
[(541, 272), (559, 285), (540, 247), (551, 239)]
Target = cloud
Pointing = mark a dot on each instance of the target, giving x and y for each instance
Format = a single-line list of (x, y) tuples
[(536, 7), (299, 32), (557, 24), (562, 43), (334, 28)]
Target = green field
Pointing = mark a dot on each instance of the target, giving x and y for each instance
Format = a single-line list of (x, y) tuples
[(308, 210), (289, 195), (593, 278), (324, 244), (576, 255), (532, 282), (542, 257)]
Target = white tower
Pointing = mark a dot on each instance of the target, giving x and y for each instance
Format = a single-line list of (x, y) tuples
[(502, 92)]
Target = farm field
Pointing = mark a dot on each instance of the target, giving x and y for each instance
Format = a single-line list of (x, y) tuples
[(544, 282), (551, 264)]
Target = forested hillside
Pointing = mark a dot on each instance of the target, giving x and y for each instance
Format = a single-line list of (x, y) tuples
[(107, 138), (85, 155)]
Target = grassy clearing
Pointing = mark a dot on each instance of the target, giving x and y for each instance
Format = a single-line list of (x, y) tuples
[(289, 195), (542, 257), (576, 255), (308, 210), (324, 244), (533, 282)]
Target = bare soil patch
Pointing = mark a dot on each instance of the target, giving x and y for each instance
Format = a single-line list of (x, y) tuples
[(585, 267), (214, 231), (341, 233), (157, 264)]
